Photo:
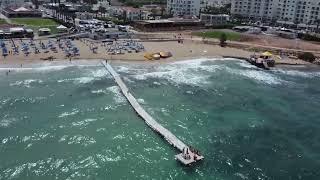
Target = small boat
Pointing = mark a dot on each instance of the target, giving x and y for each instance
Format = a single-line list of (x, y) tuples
[(264, 60), (156, 56), (165, 54)]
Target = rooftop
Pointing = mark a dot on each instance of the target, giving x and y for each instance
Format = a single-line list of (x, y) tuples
[(20, 9)]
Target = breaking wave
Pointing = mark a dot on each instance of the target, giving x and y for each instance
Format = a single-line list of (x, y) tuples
[(118, 97), (65, 114), (27, 83)]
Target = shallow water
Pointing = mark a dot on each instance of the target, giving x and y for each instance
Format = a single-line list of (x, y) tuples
[(73, 123)]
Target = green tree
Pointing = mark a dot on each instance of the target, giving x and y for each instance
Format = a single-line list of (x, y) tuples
[(307, 56), (223, 39)]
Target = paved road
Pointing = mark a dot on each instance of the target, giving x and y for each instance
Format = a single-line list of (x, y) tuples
[(5, 18)]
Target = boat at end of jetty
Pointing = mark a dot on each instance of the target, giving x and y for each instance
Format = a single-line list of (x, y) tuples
[(264, 60)]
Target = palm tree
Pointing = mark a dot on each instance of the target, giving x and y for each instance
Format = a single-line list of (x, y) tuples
[(309, 23), (317, 21), (102, 10), (54, 7), (36, 3), (63, 9), (286, 20), (162, 10)]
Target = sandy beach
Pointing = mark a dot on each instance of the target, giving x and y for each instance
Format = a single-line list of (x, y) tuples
[(189, 49)]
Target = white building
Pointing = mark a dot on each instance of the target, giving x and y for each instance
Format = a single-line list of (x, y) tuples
[(129, 13), (214, 19), (293, 11), (6, 3), (101, 3), (215, 3), (183, 7)]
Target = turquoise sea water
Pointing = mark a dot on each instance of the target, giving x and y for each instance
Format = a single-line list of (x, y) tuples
[(65, 122)]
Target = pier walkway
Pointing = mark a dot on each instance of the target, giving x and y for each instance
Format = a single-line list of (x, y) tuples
[(188, 155)]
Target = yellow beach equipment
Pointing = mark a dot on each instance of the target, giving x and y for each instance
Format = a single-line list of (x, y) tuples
[(267, 53), (148, 56)]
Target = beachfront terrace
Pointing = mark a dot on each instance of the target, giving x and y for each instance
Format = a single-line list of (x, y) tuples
[(169, 24)]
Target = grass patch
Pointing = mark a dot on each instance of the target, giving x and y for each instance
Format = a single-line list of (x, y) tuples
[(2, 21), (232, 36), (53, 29), (37, 23), (34, 22)]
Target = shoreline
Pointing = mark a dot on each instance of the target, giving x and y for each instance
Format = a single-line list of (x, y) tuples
[(188, 50), (64, 63)]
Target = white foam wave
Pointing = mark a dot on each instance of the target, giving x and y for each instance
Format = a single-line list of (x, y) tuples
[(156, 83), (26, 83), (108, 156), (80, 80), (182, 72), (258, 75), (100, 73), (51, 66), (119, 136), (65, 114), (17, 171), (122, 69), (178, 75), (35, 137), (84, 80), (298, 73), (240, 175), (33, 69), (38, 168), (194, 62), (99, 91), (4, 141), (77, 139), (101, 129), (88, 77), (7, 122), (63, 138), (80, 139), (141, 101), (5, 101), (83, 123), (246, 65), (118, 97)]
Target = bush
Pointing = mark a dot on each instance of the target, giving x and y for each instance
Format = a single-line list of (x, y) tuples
[(222, 26), (223, 39), (307, 56), (309, 37)]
